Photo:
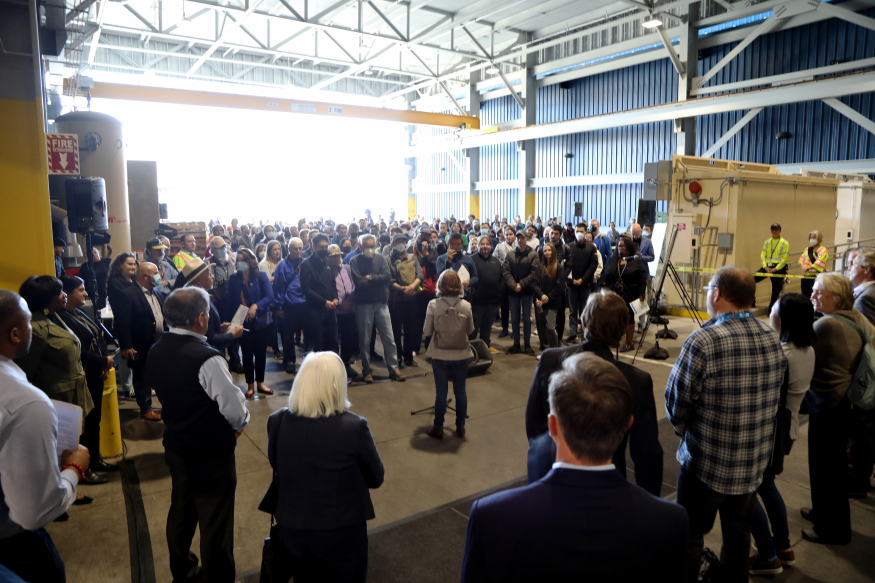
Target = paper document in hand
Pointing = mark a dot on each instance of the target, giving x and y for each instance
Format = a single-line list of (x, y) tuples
[(463, 274), (239, 317), (639, 307), (69, 426)]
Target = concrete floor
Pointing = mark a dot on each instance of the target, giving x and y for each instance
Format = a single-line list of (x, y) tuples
[(120, 537)]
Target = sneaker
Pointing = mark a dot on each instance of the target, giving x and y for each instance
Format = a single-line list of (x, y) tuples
[(787, 558), (528, 350), (502, 334), (368, 378), (515, 349), (397, 375), (762, 567), (493, 350), (627, 348)]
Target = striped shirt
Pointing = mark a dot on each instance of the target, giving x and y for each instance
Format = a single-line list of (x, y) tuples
[(725, 388)]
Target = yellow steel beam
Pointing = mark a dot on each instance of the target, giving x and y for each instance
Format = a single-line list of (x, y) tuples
[(211, 99)]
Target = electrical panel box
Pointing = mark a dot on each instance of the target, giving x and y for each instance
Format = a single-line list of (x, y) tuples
[(726, 241), (657, 180)]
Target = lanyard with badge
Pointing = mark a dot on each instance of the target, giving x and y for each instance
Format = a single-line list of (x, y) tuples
[(734, 316)]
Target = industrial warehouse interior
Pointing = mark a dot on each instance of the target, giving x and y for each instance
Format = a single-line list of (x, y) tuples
[(255, 243)]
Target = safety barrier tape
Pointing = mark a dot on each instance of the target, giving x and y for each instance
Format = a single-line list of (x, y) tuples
[(709, 270)]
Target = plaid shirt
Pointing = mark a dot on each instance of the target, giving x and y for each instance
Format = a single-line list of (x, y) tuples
[(725, 387)]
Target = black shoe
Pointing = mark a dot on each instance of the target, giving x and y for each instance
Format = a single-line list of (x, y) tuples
[(627, 348), (402, 364), (291, 368), (103, 466), (376, 357), (571, 339), (94, 478), (62, 518), (502, 334), (83, 501), (806, 513), (277, 355), (411, 362), (353, 376), (528, 350), (515, 349), (811, 536), (237, 367)]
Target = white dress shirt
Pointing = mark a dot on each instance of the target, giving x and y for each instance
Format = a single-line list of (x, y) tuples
[(567, 466), (33, 489), (216, 381), (859, 289), (152, 299)]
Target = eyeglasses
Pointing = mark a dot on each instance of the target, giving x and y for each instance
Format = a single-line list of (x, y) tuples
[(710, 287)]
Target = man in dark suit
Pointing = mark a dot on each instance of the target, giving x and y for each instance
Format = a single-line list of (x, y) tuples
[(862, 441), (582, 519), (140, 323), (604, 318)]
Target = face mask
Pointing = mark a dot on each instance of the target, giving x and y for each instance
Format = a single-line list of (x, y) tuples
[(346, 250), (580, 236), (221, 253), (646, 234), (270, 235), (261, 255), (156, 280), (484, 232), (322, 253), (538, 225), (242, 266), (813, 242), (400, 248), (369, 253)]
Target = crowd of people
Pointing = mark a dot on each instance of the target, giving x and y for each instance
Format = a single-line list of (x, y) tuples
[(324, 291)]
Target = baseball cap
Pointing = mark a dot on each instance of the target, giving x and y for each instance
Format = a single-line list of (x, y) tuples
[(334, 250), (217, 243), (155, 243)]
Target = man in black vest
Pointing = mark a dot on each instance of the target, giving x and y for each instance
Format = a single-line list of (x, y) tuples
[(204, 414)]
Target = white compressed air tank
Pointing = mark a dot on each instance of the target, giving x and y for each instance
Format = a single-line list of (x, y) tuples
[(102, 154)]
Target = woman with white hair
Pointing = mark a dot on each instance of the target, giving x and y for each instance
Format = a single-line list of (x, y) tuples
[(813, 261), (325, 460), (841, 334)]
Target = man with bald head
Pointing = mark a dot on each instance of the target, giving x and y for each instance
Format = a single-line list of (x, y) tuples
[(140, 323), (722, 397), (34, 490)]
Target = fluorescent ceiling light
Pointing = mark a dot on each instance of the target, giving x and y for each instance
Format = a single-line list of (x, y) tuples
[(492, 70), (369, 72), (652, 23)]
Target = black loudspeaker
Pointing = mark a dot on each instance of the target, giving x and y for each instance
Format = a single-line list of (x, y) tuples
[(646, 212), (162, 210), (86, 204), (578, 209)]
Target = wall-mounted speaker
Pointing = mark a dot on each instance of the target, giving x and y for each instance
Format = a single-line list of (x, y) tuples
[(578, 209), (86, 204)]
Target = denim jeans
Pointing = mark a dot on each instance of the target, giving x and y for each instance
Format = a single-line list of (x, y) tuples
[(443, 371), (516, 303), (367, 316), (768, 544)]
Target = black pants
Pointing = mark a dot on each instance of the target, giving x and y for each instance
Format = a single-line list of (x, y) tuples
[(142, 388), (32, 556), (484, 318), (736, 516), (777, 283), (404, 327), (293, 321), (560, 315), (339, 555), (276, 332), (254, 345), (862, 445), (349, 337), (234, 351), (322, 329), (505, 309), (91, 427), (807, 286), (422, 301), (578, 295), (828, 470), (202, 495)]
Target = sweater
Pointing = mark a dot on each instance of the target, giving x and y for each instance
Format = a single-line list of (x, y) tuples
[(837, 350), (372, 290)]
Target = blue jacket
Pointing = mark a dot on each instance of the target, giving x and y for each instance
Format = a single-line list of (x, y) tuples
[(645, 248), (466, 260), (286, 284), (575, 525), (260, 293), (351, 254), (603, 242)]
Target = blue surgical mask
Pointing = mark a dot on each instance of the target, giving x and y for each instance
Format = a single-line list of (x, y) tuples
[(156, 280), (484, 232), (242, 266), (270, 235), (221, 253), (646, 234)]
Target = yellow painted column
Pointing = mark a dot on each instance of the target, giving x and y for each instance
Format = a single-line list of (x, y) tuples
[(529, 204), (411, 207), (474, 205), (24, 194)]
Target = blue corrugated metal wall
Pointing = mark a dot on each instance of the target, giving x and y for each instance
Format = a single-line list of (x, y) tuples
[(501, 162), (442, 205), (818, 133)]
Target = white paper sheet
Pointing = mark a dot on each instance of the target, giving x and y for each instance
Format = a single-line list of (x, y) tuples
[(239, 317), (639, 307), (69, 426), (463, 274)]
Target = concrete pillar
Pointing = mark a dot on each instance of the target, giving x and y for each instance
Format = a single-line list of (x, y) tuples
[(24, 190), (526, 149), (688, 50), (473, 154)]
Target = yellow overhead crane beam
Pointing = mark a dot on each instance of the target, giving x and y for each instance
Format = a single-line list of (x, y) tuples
[(211, 99)]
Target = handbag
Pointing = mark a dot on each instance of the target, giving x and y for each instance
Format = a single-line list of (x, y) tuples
[(273, 552)]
